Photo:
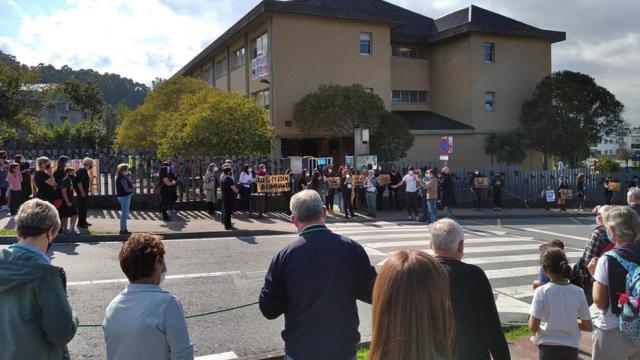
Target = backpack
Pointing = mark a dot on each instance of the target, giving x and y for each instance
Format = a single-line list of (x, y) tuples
[(629, 301)]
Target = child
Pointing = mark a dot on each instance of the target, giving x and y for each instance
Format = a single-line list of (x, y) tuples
[(14, 178), (68, 212), (555, 308), (542, 278)]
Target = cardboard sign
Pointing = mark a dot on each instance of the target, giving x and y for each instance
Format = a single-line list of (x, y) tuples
[(550, 195), (333, 182), (366, 160), (273, 183), (566, 193), (613, 186), (481, 182), (384, 179), (296, 164), (358, 180)]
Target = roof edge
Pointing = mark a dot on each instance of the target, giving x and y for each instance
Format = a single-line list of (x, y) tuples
[(553, 36)]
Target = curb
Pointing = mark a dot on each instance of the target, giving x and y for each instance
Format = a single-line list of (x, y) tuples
[(64, 239), (279, 355)]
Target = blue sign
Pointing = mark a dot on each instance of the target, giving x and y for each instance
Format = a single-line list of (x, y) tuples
[(444, 145)]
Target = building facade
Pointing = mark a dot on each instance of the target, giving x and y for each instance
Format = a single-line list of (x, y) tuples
[(465, 74)]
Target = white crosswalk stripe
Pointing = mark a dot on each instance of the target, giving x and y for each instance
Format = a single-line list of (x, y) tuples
[(503, 257)]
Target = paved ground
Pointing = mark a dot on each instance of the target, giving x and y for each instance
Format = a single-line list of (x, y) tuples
[(214, 273)]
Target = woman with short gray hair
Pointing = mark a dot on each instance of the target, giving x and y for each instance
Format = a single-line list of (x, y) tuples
[(36, 320), (622, 225)]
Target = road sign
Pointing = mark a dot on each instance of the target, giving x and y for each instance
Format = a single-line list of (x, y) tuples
[(445, 145), (444, 157)]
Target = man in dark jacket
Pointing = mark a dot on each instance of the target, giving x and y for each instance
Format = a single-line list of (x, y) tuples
[(36, 320), (315, 282), (476, 189), (478, 334)]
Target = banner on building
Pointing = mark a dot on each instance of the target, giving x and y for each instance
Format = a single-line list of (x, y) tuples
[(333, 182), (259, 67), (273, 183), (384, 179)]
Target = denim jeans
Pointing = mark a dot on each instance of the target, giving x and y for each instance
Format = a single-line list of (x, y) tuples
[(432, 207), (426, 215), (125, 203), (287, 357), (449, 213), (371, 202)]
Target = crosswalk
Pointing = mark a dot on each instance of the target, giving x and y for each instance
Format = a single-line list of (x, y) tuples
[(510, 262)]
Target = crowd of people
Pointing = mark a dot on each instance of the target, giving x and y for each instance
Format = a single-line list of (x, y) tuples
[(423, 306)]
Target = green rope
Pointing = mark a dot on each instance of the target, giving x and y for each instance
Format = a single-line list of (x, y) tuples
[(188, 316)]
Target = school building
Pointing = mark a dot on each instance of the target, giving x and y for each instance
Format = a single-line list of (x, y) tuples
[(464, 74)]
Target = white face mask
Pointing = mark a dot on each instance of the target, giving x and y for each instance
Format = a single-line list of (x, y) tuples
[(411, 172), (126, 173), (250, 170), (477, 172)]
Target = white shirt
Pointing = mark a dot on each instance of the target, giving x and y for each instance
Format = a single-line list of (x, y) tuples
[(410, 181), (607, 320), (146, 322), (370, 184), (558, 307), (246, 179)]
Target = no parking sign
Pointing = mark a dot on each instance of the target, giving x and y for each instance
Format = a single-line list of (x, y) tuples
[(445, 145)]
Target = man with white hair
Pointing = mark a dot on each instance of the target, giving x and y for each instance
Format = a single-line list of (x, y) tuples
[(478, 334), (633, 199), (314, 282)]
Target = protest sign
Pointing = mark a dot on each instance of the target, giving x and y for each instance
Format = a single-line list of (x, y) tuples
[(273, 183)]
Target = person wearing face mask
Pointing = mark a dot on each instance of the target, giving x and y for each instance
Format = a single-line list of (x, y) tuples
[(68, 212), (412, 182), (36, 319), (229, 194), (475, 189), (44, 181), (211, 188), (124, 192), (144, 321), (168, 191), (82, 184), (346, 183)]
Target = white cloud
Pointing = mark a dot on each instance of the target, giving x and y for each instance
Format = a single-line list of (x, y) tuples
[(141, 40)]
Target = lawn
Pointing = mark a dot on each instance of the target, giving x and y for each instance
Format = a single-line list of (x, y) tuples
[(511, 334), (7, 232)]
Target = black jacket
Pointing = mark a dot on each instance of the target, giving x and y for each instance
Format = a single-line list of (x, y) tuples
[(315, 282), (478, 334), (448, 191)]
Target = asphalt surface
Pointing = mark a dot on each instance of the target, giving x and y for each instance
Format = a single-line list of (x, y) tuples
[(217, 273)]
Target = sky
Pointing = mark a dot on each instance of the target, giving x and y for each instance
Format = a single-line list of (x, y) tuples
[(145, 39)]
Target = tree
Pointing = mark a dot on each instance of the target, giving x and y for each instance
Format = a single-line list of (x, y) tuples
[(624, 154), (392, 138), (139, 128), (83, 96), (338, 110), (491, 145), (185, 116), (607, 165), (567, 113), (215, 122)]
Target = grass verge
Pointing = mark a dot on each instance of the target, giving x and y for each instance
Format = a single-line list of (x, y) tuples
[(511, 334), (7, 232)]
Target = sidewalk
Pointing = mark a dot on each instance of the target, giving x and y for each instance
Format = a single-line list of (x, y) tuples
[(524, 349), (193, 224)]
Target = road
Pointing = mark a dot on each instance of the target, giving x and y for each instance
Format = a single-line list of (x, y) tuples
[(211, 274)]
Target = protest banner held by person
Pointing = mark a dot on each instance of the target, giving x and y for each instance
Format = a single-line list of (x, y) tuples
[(145, 322), (36, 319), (315, 282)]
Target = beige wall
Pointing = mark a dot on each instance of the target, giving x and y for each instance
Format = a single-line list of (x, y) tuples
[(238, 84), (520, 64), (409, 74), (450, 77), (310, 51), (468, 152)]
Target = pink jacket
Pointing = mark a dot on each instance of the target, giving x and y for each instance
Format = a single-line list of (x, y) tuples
[(15, 181)]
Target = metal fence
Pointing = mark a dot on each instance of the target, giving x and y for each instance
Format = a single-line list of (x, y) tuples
[(145, 164)]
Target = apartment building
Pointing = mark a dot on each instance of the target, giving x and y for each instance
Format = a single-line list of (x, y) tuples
[(464, 74)]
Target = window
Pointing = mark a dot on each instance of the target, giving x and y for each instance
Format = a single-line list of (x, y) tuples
[(365, 43), (263, 98), (489, 101), (237, 58), (260, 45), (211, 76), (413, 52), (221, 68), (489, 49), (409, 97)]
